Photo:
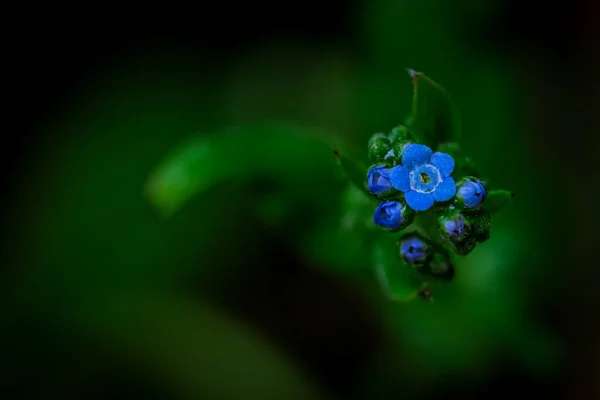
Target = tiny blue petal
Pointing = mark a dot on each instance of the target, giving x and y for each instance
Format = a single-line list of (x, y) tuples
[(443, 162), (399, 178), (445, 190), (389, 215), (413, 250), (419, 201), (378, 180), (472, 193), (415, 154)]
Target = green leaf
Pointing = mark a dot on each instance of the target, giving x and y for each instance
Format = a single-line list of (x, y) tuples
[(497, 200), (272, 150), (399, 281), (354, 171), (433, 118), (196, 347)]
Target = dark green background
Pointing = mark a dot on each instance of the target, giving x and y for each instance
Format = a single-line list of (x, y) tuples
[(251, 290)]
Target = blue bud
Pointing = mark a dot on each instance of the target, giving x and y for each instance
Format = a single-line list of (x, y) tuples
[(454, 227), (470, 193), (414, 250), (378, 180), (392, 215)]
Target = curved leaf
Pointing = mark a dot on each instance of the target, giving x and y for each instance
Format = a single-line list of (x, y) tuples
[(497, 200), (353, 170), (275, 150), (398, 280), (201, 350), (433, 118)]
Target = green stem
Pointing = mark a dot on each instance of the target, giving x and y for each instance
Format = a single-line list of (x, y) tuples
[(427, 225)]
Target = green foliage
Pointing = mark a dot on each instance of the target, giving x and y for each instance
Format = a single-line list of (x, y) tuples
[(94, 243), (497, 200), (433, 118), (399, 280), (284, 152), (353, 170), (279, 152)]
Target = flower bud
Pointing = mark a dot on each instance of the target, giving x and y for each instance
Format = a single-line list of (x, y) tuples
[(378, 180), (454, 226), (425, 292), (440, 266), (481, 226), (466, 246), (400, 132), (393, 215), (414, 250), (470, 193), (398, 148), (481, 223), (379, 147)]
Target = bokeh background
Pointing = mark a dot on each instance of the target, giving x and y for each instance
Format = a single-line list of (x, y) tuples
[(253, 289)]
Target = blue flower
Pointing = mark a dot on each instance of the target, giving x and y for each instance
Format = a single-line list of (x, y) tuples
[(471, 193), (378, 180), (414, 250), (454, 227), (392, 215), (424, 177)]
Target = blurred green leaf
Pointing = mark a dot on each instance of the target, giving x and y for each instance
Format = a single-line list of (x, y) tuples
[(198, 348), (341, 240), (497, 200), (433, 118), (357, 211), (398, 280), (274, 150), (354, 171)]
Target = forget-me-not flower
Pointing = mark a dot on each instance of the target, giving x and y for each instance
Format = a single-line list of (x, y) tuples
[(378, 180), (424, 176)]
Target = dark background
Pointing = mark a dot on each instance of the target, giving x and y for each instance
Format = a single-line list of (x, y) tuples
[(550, 49)]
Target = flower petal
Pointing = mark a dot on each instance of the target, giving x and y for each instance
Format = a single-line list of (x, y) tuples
[(444, 162), (399, 178), (415, 153), (445, 190), (419, 201)]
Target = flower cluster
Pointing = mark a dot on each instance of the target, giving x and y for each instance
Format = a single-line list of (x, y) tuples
[(426, 187), (432, 193), (409, 178)]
